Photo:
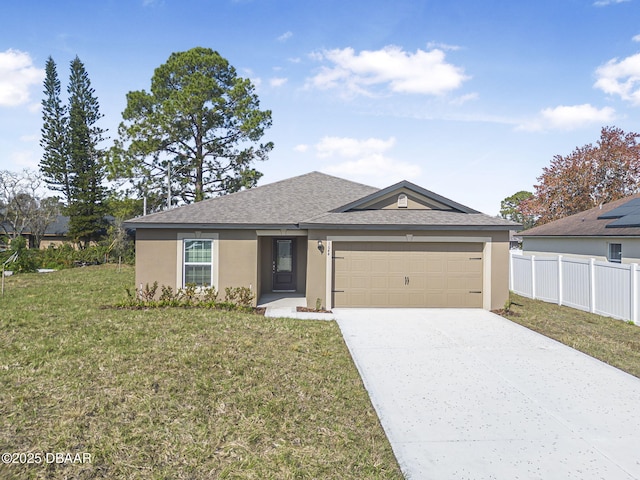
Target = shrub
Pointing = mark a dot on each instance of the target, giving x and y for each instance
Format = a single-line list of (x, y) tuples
[(241, 296), (236, 298), (148, 293), (24, 260)]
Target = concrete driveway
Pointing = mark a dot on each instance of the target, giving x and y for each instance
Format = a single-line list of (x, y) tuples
[(466, 394)]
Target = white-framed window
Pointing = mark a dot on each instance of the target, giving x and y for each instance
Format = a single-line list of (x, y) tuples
[(198, 262), (615, 252)]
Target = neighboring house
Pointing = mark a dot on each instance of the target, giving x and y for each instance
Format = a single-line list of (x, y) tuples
[(610, 232), (55, 234), (333, 240)]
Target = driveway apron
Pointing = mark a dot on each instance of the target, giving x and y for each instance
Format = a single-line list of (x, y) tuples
[(466, 394)]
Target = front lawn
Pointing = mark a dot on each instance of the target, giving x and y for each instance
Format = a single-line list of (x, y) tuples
[(612, 341), (175, 393)]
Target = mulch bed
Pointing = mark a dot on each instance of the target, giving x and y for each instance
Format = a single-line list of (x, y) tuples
[(312, 310)]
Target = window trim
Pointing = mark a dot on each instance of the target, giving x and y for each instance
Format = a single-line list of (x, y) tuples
[(182, 238), (186, 264), (609, 253)]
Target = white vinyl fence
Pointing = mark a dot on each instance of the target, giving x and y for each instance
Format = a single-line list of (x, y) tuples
[(605, 288)]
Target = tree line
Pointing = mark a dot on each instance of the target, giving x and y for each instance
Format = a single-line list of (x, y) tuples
[(589, 176), (196, 134)]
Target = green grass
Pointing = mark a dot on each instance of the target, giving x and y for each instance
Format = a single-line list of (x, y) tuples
[(176, 393), (612, 341)]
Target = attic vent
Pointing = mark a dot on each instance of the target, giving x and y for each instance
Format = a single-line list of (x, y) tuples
[(403, 202)]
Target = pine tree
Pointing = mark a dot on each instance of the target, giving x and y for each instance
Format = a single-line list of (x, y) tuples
[(72, 162), (201, 121), (86, 165), (55, 161)]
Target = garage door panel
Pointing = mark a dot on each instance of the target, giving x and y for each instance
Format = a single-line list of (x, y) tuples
[(408, 274), (360, 265), (360, 282)]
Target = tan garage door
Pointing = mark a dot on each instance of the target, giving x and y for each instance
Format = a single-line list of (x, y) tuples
[(373, 274)]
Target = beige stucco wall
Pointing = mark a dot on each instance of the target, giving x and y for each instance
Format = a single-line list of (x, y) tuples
[(589, 247), (244, 259), (317, 285), (390, 202), (499, 270), (238, 260), (158, 257)]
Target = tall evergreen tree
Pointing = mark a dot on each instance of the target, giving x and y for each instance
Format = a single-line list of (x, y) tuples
[(72, 162), (201, 122), (55, 161), (86, 163)]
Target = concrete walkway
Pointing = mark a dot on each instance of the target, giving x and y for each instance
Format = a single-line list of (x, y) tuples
[(466, 394), (286, 306)]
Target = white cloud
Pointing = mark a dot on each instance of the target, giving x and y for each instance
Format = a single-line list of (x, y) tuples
[(364, 160), (24, 159), (464, 99), (569, 117), (604, 3), (285, 36), (636, 38), (351, 147), (621, 77), (401, 72), (277, 81), (301, 148), (375, 168), (442, 46), (17, 75), (29, 138)]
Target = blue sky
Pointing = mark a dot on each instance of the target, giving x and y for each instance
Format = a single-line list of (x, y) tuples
[(469, 99)]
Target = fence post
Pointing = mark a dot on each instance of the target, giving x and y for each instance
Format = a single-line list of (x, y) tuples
[(633, 314), (560, 280), (592, 285), (533, 277)]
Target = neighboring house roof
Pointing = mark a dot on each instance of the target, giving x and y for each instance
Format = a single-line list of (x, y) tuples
[(317, 200), (59, 227), (609, 220)]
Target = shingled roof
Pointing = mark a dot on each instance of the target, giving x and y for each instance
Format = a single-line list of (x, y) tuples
[(316, 200), (285, 203), (594, 222)]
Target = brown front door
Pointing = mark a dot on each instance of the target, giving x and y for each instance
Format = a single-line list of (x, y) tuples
[(284, 265)]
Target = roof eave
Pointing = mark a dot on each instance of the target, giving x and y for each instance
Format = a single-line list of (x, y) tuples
[(212, 226), (576, 235), (333, 226)]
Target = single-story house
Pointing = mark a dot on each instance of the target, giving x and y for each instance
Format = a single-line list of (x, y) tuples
[(334, 241), (609, 232), (55, 233)]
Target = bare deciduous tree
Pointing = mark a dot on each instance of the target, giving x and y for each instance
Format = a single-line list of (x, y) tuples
[(24, 208)]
